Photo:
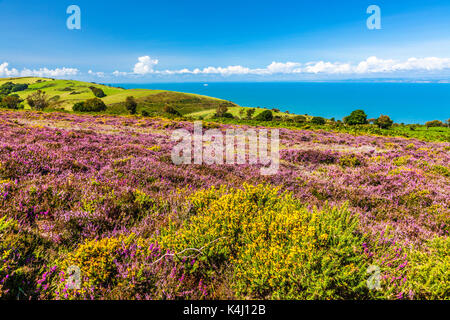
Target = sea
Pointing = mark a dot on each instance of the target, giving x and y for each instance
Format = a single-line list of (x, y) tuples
[(403, 102)]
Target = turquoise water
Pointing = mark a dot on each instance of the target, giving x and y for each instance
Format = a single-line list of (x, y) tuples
[(403, 102)]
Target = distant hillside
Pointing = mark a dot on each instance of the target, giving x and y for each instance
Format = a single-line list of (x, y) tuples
[(65, 93)]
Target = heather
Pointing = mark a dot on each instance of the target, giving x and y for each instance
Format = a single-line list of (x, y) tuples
[(102, 193)]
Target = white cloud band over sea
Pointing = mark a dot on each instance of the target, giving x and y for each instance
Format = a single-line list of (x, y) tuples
[(147, 66)]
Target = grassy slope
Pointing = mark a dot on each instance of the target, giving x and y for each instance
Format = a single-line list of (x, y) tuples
[(65, 93)]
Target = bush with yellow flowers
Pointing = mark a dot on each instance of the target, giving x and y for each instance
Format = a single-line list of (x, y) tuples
[(122, 267), (21, 255), (275, 246), (429, 271)]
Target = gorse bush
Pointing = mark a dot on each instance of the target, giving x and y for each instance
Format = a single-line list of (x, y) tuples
[(122, 267), (429, 271), (277, 248), (21, 257)]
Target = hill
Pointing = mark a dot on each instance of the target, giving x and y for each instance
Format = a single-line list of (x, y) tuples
[(63, 94)]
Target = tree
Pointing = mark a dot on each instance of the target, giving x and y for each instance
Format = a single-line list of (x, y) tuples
[(19, 87), (356, 117), (318, 120), (90, 105), (38, 100), (221, 110), (6, 88), (250, 113), (11, 102), (448, 123), (97, 92), (95, 105), (384, 122), (266, 115), (131, 105), (434, 123)]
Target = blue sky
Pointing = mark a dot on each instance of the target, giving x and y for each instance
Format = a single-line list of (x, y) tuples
[(196, 40)]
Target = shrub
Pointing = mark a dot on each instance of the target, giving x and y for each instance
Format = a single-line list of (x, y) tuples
[(434, 123), (131, 105), (97, 92), (123, 267), (266, 115), (221, 110), (278, 249), (10, 87), (20, 256), (299, 119), (38, 100), (250, 113), (350, 161), (6, 88), (384, 122), (227, 115), (11, 102), (79, 107), (90, 105), (171, 110), (318, 120), (441, 170), (19, 87), (145, 113), (311, 156), (356, 117), (429, 271)]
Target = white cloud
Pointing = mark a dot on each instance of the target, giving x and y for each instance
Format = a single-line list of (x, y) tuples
[(374, 65), (145, 65), (45, 72), (5, 71), (42, 72), (326, 67), (118, 73), (97, 74), (429, 64), (279, 67), (369, 66)]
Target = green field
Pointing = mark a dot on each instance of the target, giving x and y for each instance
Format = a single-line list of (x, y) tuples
[(65, 93)]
